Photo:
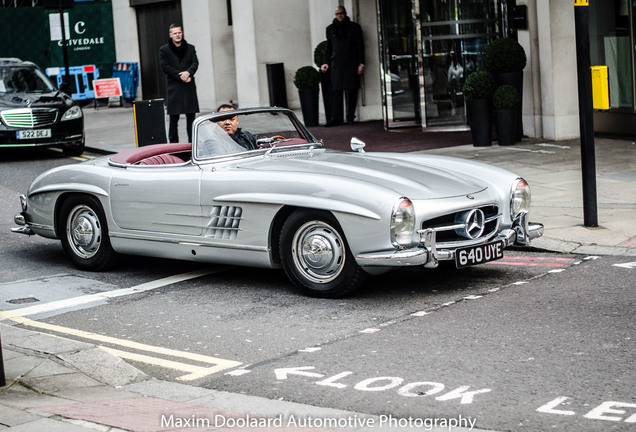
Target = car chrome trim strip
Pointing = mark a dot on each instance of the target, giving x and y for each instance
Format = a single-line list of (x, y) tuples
[(298, 200), (461, 225), (190, 243), (404, 257)]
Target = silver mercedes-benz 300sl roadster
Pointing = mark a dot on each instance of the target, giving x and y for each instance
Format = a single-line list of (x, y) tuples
[(270, 195)]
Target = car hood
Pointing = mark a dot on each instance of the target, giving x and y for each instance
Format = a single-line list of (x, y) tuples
[(415, 178), (40, 100)]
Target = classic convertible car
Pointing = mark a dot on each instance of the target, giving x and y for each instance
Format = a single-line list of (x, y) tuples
[(328, 218)]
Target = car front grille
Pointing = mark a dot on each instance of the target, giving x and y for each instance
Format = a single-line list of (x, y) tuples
[(29, 117), (224, 222), (449, 231)]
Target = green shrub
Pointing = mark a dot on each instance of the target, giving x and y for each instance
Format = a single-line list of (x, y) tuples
[(479, 85), (319, 53), (307, 78), (506, 97), (504, 55)]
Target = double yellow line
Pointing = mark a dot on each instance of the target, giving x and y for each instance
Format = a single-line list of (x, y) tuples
[(211, 364), (193, 371)]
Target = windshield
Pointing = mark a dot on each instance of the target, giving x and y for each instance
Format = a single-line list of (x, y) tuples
[(239, 132), (24, 80)]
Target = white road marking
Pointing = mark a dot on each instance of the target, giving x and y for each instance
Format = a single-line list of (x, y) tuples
[(90, 298), (311, 349), (629, 265), (420, 313), (238, 372)]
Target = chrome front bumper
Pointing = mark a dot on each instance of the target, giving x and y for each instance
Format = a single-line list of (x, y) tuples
[(22, 227), (428, 255)]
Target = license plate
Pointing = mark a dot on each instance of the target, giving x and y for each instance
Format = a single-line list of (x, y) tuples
[(36, 133), (479, 254)]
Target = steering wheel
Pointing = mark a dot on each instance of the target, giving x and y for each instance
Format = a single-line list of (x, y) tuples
[(278, 137)]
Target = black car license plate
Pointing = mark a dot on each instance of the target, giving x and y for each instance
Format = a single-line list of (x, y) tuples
[(479, 254)]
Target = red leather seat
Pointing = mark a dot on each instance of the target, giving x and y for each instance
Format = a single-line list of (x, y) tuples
[(161, 159), (134, 155)]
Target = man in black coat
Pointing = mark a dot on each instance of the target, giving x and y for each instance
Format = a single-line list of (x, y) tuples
[(344, 57), (179, 62)]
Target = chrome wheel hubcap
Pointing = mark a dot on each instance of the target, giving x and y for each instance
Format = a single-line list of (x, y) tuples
[(318, 252), (84, 231)]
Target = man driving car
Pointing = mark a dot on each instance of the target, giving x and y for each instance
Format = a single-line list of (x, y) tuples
[(231, 126)]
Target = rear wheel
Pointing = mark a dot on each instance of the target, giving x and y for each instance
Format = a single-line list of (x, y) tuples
[(85, 234), (316, 257)]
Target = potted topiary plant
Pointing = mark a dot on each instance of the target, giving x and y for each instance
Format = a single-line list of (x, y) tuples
[(307, 80), (325, 78), (506, 100), (505, 58), (504, 55), (478, 89)]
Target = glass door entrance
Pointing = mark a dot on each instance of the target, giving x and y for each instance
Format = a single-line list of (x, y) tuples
[(427, 48), (453, 34), (398, 52)]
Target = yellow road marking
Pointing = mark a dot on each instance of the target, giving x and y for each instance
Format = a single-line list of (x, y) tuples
[(195, 371)]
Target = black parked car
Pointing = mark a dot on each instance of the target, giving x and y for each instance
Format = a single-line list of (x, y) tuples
[(33, 112)]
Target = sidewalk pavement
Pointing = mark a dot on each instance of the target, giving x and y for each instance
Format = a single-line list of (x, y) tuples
[(56, 384)]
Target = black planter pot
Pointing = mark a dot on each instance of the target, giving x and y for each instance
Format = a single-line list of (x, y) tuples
[(506, 126), (309, 105), (514, 79), (479, 119)]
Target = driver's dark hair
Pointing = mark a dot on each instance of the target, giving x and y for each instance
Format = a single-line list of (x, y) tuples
[(225, 106)]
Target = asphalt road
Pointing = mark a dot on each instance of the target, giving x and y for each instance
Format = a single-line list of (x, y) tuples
[(537, 341)]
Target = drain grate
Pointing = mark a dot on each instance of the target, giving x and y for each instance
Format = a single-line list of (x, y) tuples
[(23, 300)]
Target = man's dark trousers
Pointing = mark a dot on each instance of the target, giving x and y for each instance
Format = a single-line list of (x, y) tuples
[(173, 129), (351, 97)]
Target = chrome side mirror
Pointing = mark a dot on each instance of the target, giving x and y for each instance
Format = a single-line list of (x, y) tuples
[(357, 145)]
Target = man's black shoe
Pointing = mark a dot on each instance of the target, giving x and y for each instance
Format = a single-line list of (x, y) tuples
[(332, 123)]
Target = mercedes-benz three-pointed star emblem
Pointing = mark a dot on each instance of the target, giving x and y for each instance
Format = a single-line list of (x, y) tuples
[(474, 223)]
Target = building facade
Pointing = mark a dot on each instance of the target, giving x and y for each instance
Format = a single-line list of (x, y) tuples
[(417, 54)]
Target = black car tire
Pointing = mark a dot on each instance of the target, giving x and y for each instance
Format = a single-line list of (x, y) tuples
[(316, 257), (84, 234)]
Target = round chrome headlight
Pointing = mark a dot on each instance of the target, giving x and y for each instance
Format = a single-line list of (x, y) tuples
[(519, 198), (402, 223)]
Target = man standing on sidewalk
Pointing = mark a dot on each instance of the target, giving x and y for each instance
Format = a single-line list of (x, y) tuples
[(179, 62), (344, 58)]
